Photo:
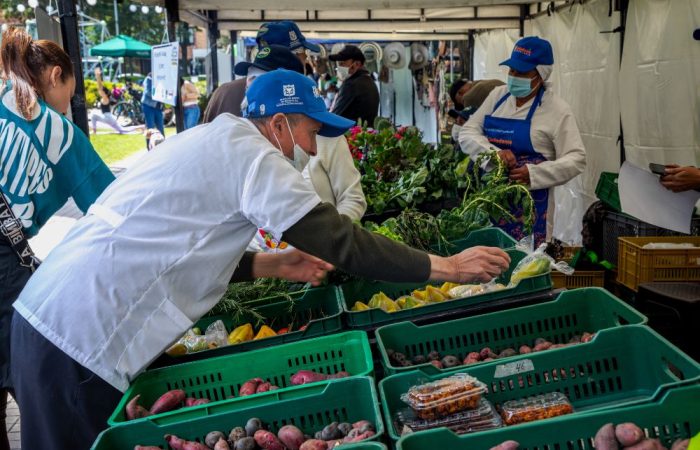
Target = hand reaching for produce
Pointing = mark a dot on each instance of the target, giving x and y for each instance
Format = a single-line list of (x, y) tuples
[(520, 175), (294, 265), (476, 264)]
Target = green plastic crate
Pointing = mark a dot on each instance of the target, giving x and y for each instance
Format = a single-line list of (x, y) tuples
[(320, 308), (573, 312), (674, 415), (222, 377), (490, 237), (310, 408), (607, 192), (363, 446), (364, 289), (620, 366)]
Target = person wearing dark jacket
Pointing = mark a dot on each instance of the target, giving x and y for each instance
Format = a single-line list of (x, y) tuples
[(358, 97)]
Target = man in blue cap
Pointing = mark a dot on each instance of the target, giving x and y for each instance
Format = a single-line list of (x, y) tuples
[(159, 247), (229, 96), (532, 130), (288, 34)]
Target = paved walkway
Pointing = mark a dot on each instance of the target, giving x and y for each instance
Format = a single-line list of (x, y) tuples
[(50, 235)]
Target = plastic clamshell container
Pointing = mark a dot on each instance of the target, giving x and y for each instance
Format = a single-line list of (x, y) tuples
[(219, 378), (482, 417), (443, 397), (538, 407), (571, 313), (309, 408)]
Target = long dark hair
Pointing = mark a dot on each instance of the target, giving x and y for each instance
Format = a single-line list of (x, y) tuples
[(23, 61)]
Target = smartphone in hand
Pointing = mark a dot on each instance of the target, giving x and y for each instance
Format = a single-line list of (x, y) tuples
[(658, 169)]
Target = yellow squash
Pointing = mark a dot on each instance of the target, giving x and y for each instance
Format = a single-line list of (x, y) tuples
[(240, 334)]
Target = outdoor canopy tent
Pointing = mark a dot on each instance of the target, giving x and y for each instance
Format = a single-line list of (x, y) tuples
[(122, 46)]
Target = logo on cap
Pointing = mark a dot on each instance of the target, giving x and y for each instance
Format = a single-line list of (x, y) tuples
[(263, 53), (289, 90), (262, 110), (292, 35), (523, 50), (262, 30)]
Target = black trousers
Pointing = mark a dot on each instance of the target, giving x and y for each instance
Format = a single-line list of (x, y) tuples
[(13, 277), (60, 402)]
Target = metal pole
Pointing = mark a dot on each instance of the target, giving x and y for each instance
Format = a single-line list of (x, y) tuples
[(213, 35), (172, 17), (233, 36), (71, 44), (116, 18)]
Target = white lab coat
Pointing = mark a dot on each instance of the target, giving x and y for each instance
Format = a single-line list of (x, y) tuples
[(158, 248), (554, 134)]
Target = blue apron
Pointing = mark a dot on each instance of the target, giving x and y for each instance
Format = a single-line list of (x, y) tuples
[(514, 135)]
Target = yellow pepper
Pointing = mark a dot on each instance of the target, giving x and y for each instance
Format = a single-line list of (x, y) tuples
[(242, 333), (265, 332), (359, 306)]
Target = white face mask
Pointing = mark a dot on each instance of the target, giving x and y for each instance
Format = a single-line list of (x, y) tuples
[(301, 158), (343, 73), (455, 132)]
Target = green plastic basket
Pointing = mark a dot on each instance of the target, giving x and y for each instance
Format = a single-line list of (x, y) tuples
[(620, 366), (607, 192), (489, 237), (219, 378), (310, 408), (573, 312), (320, 309), (363, 290), (363, 446), (674, 415)]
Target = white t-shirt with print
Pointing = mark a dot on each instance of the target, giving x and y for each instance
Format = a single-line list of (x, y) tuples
[(158, 248)]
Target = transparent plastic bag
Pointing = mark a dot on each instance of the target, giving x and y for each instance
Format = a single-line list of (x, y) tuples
[(536, 263), (216, 334)]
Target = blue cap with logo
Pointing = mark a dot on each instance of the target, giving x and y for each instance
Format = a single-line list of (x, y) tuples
[(528, 53), (271, 58), (285, 33), (288, 92)]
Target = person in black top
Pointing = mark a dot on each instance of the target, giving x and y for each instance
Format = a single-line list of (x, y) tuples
[(358, 97), (105, 113)]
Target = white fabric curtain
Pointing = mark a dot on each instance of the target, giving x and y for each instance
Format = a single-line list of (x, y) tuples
[(490, 49), (660, 83)]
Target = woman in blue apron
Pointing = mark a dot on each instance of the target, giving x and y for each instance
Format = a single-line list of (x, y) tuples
[(533, 131)]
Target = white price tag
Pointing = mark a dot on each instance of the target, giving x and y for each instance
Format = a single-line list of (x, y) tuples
[(514, 368)]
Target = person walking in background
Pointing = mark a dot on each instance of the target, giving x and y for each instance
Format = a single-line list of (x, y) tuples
[(190, 103), (152, 109), (104, 113), (52, 161)]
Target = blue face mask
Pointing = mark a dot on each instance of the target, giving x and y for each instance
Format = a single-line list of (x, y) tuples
[(519, 87)]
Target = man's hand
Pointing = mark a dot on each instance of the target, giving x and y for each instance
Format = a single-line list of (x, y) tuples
[(474, 265), (508, 158), (679, 179), (520, 175), (294, 265)]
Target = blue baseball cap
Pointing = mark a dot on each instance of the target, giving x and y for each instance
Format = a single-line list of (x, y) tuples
[(529, 53), (288, 92), (285, 33), (271, 58)]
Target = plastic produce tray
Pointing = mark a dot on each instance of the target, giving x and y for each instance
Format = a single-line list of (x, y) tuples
[(573, 312), (310, 408), (638, 265), (673, 415), (320, 309), (364, 289), (619, 366), (222, 377), (607, 192)]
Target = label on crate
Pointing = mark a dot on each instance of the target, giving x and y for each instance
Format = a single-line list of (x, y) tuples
[(514, 368)]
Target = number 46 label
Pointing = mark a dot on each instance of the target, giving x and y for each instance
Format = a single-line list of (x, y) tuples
[(514, 368)]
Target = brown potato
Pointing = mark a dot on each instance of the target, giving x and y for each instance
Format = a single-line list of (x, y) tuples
[(628, 434), (605, 438)]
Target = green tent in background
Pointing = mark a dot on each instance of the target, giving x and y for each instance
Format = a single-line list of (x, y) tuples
[(123, 46)]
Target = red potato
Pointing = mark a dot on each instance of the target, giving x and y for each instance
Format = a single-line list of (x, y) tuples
[(291, 437), (647, 444), (359, 437), (222, 444), (189, 401), (587, 337), (523, 350), (134, 410), (558, 346), (437, 364), (363, 424), (267, 440), (169, 401), (473, 355), (341, 374), (542, 346), (605, 438), (249, 387), (681, 445), (333, 444), (507, 445), (467, 361), (201, 401), (263, 387), (628, 434), (314, 444), (180, 444), (307, 376)]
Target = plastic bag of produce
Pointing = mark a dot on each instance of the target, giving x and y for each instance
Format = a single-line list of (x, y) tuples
[(216, 334), (537, 263)]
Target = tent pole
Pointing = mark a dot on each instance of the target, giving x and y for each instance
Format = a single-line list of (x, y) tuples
[(213, 35), (172, 16), (233, 37), (71, 44)]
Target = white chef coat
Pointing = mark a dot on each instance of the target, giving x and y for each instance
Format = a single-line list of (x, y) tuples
[(335, 177), (158, 248), (554, 134)]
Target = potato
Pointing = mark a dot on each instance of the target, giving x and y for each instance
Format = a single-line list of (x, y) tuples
[(587, 337), (681, 445), (213, 437), (419, 359), (628, 434), (333, 444), (507, 352), (469, 361), (647, 444), (331, 432), (134, 410), (252, 426), (249, 387), (363, 425), (263, 387), (180, 444), (605, 438), (291, 437), (245, 443), (236, 434), (523, 350), (486, 352), (345, 428), (267, 440), (169, 401), (433, 356), (314, 444), (222, 444), (436, 363), (542, 346), (450, 361), (508, 445)]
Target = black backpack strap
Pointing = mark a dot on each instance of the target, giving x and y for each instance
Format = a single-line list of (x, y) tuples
[(11, 230)]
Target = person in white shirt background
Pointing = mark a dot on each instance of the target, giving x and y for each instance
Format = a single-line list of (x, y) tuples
[(532, 129)]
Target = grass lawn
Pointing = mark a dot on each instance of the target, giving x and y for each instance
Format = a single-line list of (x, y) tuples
[(113, 147)]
